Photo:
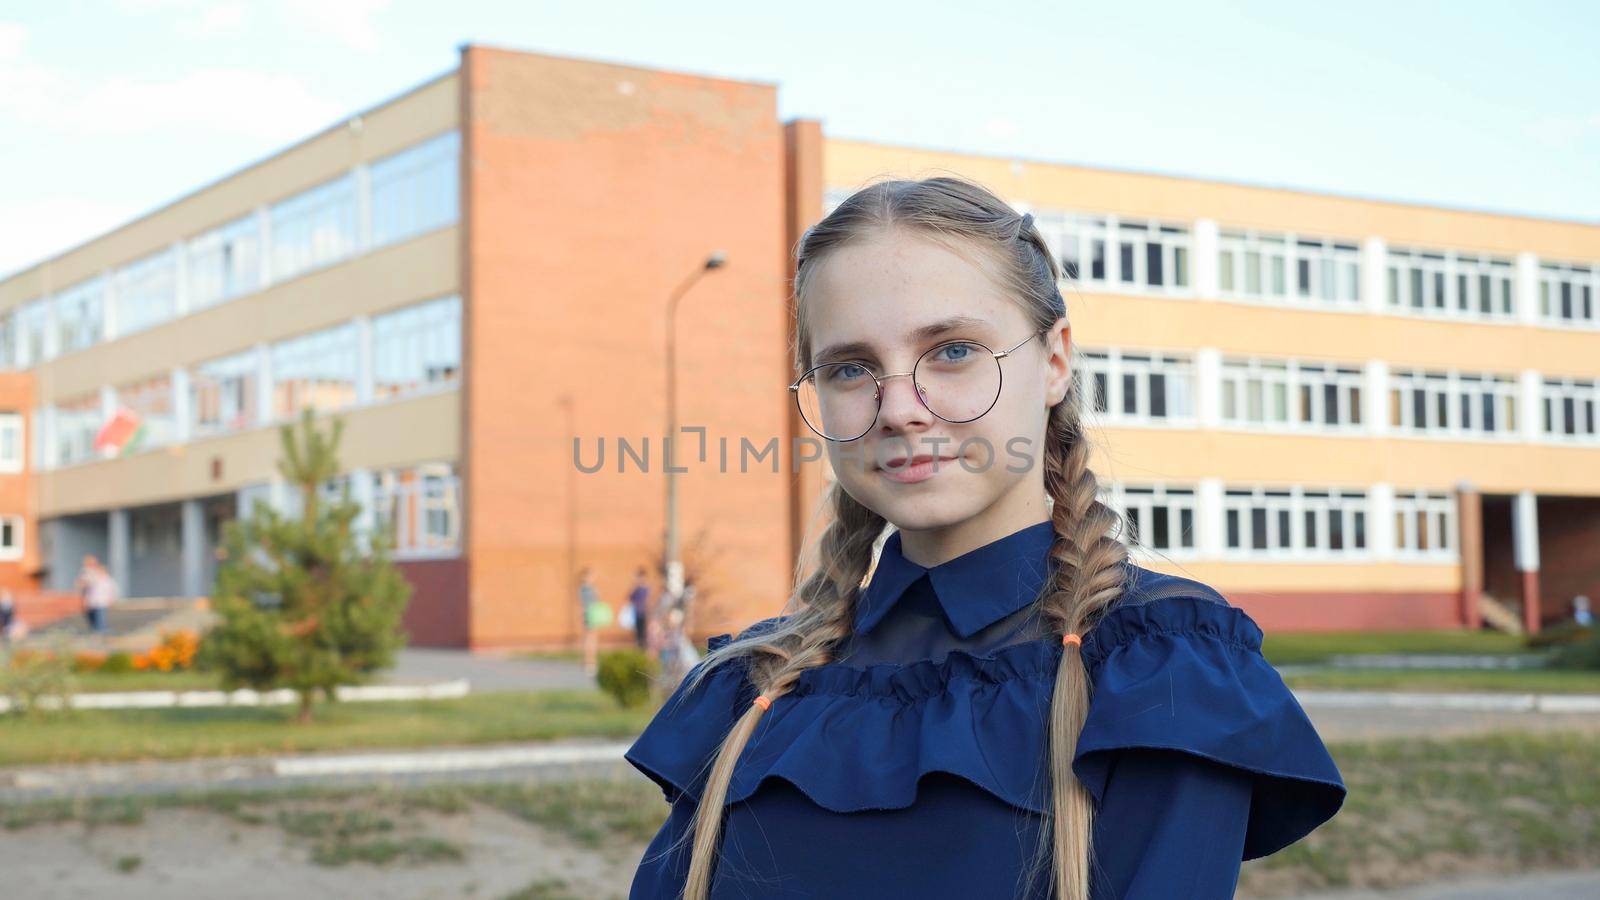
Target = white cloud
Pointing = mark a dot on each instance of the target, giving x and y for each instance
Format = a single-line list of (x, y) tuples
[(351, 22), (12, 37), (32, 230), (56, 104)]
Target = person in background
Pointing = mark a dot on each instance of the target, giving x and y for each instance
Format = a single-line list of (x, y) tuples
[(639, 599), (595, 614), (98, 590), (8, 614), (1580, 611)]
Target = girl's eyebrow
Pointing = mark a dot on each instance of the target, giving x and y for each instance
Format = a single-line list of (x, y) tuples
[(918, 335)]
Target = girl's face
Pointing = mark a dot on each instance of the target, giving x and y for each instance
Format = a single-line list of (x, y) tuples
[(880, 303)]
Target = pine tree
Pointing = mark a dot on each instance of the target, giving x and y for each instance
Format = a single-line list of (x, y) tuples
[(301, 604)]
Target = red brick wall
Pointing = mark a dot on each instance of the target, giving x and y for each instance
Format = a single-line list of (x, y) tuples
[(437, 615), (16, 492), (1569, 554), (1334, 611), (592, 191)]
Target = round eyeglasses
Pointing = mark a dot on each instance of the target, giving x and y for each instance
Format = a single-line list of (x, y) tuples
[(958, 381)]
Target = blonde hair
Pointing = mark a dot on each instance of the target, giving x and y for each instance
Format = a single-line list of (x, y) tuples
[(1088, 572)]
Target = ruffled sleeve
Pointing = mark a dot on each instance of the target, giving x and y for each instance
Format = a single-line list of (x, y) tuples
[(855, 739), (1187, 674), (676, 748)]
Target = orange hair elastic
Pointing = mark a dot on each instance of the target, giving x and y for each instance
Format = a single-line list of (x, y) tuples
[(1071, 638), (762, 701)]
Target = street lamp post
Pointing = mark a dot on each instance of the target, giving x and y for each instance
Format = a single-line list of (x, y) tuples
[(674, 567)]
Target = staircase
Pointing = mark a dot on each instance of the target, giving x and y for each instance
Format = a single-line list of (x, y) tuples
[(131, 625), (1498, 615)]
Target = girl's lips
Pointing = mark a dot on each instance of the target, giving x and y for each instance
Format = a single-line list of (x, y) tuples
[(920, 468)]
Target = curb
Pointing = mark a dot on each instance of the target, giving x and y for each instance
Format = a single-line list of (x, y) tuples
[(460, 687), (447, 761), (1480, 702)]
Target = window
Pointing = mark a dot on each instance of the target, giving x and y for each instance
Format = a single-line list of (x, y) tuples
[(416, 348), (420, 509), (1291, 394), (1445, 283), (151, 401), (10, 537), (1122, 254), (1294, 523), (225, 262), (1450, 404), (315, 228), (80, 315), (1570, 409), (414, 190), (8, 339), (1154, 518), (77, 423), (315, 371), (223, 394), (12, 442), (35, 333), (1568, 294), (1425, 525), (1137, 388), (146, 292), (1288, 267)]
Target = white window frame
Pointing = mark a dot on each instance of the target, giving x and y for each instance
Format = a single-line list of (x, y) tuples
[(405, 179), (1289, 379), (1425, 518), (1074, 237), (1584, 395), (1583, 286), (1427, 283), (1179, 377), (1250, 264), (1454, 386), (13, 551), (1283, 510), (1141, 504), (13, 433)]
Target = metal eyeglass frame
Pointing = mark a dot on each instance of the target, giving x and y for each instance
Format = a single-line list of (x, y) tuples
[(880, 379)]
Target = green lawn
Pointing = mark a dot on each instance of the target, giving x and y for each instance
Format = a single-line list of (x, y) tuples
[(1418, 808), (1315, 647), (100, 682), (84, 735), (1531, 681)]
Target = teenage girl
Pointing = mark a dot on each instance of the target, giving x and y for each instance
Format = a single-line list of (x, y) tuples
[(993, 700)]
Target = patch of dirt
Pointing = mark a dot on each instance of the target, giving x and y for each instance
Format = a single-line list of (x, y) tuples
[(187, 852)]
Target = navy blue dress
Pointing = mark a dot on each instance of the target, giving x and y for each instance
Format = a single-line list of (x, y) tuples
[(915, 765)]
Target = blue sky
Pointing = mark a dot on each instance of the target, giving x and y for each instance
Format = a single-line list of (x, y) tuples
[(111, 108)]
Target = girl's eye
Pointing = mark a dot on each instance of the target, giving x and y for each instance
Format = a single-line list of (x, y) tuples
[(844, 373), (956, 353)]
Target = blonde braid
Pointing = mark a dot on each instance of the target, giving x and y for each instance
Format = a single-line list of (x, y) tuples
[(810, 637), (1087, 578)]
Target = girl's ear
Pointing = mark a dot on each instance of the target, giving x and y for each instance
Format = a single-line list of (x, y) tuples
[(1059, 343)]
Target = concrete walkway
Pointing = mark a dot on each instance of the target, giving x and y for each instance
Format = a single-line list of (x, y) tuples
[(422, 665), (1584, 885)]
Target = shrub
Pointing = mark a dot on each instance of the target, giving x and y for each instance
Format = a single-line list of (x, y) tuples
[(118, 663), (27, 677), (627, 675), (304, 602), (1581, 653), (87, 661), (176, 652), (1558, 635)]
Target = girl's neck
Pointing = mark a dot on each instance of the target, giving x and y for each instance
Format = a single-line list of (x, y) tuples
[(1013, 512)]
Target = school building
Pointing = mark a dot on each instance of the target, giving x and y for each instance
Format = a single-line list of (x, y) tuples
[(1340, 412)]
